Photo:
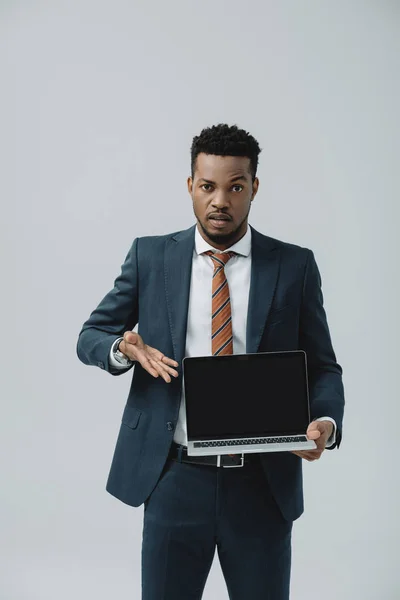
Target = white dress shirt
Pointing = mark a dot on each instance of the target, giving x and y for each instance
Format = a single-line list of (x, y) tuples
[(198, 335)]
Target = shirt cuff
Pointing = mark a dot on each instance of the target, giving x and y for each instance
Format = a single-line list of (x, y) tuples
[(112, 361), (332, 440)]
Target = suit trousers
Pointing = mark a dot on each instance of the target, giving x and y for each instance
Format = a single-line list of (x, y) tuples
[(195, 509)]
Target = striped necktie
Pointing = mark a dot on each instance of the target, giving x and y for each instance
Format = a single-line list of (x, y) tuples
[(221, 330)]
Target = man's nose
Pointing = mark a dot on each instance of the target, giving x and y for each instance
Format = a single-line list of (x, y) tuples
[(220, 201)]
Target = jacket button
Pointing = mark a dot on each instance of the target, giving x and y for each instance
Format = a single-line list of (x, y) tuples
[(170, 426), (101, 365)]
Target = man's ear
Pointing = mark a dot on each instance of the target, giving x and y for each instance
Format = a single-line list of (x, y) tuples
[(256, 184), (190, 185)]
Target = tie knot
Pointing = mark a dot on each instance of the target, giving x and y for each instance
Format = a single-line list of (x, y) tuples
[(221, 258)]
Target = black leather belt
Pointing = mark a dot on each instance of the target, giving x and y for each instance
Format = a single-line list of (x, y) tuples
[(179, 453)]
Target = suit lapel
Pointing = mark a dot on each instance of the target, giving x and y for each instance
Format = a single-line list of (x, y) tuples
[(178, 272), (265, 260)]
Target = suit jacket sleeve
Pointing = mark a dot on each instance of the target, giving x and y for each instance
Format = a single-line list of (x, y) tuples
[(324, 373), (117, 312)]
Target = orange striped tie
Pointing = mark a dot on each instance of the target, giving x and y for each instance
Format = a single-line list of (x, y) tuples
[(221, 331)]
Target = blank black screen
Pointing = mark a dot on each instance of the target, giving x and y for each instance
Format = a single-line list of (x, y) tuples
[(246, 395)]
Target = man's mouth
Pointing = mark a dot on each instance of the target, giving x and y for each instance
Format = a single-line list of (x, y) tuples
[(220, 218), (219, 221)]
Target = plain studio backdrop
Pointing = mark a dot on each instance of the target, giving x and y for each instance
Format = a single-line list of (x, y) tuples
[(99, 104)]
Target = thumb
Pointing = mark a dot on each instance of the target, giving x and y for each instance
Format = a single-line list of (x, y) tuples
[(131, 337), (315, 430)]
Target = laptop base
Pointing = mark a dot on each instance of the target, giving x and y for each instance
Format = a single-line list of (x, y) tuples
[(272, 445)]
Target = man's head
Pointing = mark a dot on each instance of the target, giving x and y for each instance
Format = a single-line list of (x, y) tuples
[(223, 182)]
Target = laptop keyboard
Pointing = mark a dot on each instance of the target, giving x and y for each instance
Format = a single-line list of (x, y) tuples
[(267, 440)]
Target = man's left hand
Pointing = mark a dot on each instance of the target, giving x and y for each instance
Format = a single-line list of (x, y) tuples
[(320, 432)]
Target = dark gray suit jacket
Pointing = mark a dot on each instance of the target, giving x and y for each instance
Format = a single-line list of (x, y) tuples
[(285, 313)]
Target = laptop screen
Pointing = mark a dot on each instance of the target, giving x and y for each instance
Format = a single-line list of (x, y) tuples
[(249, 395)]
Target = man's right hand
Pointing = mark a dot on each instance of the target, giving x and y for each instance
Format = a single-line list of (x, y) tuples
[(151, 359)]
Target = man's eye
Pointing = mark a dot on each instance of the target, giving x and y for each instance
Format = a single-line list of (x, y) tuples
[(235, 188), (206, 187)]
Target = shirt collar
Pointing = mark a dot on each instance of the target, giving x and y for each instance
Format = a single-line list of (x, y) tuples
[(242, 247)]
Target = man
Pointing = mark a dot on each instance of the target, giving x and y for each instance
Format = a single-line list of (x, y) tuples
[(272, 300)]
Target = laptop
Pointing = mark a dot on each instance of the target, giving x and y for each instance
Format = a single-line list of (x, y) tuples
[(246, 403)]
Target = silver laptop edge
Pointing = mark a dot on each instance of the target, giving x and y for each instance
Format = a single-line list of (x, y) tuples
[(251, 448)]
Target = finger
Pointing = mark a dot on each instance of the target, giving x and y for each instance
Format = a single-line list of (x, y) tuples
[(161, 369), (170, 361), (300, 453), (310, 455), (321, 443), (157, 355), (309, 458), (146, 364), (146, 359), (164, 369), (160, 362), (314, 454), (297, 453), (319, 436), (302, 456), (313, 435), (314, 430), (170, 370)]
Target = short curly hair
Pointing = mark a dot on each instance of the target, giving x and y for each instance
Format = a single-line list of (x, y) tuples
[(226, 140)]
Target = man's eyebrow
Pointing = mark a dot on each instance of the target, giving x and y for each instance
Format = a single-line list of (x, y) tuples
[(239, 177), (207, 180), (235, 178)]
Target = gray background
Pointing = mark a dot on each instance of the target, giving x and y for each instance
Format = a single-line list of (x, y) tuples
[(99, 105)]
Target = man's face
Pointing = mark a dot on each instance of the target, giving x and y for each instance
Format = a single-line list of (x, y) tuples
[(222, 191)]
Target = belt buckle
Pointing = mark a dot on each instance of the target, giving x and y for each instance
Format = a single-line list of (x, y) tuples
[(230, 466)]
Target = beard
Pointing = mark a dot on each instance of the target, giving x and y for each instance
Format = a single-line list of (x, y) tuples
[(223, 238)]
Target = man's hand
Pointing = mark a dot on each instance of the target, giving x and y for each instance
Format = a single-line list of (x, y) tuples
[(320, 432), (151, 359)]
